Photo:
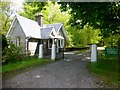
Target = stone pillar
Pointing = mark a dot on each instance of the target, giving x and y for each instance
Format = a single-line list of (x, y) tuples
[(93, 53), (40, 51), (53, 51)]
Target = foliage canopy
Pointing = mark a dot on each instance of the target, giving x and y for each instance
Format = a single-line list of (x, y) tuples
[(5, 13), (102, 15), (32, 8)]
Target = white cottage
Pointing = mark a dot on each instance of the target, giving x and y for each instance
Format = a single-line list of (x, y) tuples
[(30, 34)]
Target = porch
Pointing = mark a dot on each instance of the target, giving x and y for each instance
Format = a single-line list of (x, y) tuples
[(33, 47)]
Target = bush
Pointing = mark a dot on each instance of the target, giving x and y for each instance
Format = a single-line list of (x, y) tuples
[(118, 42), (12, 54), (112, 41)]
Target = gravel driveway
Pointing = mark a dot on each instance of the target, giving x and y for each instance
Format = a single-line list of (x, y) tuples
[(68, 73)]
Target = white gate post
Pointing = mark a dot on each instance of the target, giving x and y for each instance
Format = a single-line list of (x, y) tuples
[(40, 51), (53, 51), (93, 53)]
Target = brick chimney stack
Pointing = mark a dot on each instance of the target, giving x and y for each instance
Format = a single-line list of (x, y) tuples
[(39, 19)]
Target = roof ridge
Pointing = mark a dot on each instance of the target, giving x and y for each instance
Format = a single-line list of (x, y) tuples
[(19, 16), (46, 27), (29, 26)]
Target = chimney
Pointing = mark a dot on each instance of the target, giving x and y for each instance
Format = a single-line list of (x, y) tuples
[(39, 19)]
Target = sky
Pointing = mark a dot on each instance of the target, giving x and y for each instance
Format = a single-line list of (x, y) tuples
[(17, 4)]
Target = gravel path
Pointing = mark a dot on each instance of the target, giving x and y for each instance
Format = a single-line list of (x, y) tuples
[(68, 73)]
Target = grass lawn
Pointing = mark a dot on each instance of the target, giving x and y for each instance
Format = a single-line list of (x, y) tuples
[(24, 64), (106, 68)]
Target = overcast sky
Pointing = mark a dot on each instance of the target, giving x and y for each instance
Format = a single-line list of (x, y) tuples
[(17, 4)]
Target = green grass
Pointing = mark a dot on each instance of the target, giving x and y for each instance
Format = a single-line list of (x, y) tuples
[(27, 62), (106, 68)]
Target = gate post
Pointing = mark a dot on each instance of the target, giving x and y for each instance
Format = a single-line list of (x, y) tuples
[(93, 53), (40, 51), (53, 52)]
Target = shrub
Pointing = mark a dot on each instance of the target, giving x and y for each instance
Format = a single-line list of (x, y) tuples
[(118, 42), (112, 41), (12, 54)]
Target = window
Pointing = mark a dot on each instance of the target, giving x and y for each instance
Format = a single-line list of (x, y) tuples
[(18, 41)]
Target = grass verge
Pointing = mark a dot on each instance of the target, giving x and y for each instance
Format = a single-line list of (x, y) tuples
[(18, 67), (106, 68)]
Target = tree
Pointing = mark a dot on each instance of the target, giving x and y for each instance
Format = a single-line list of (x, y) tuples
[(102, 15), (32, 8), (4, 42), (51, 11), (5, 13), (52, 14), (83, 37), (112, 41)]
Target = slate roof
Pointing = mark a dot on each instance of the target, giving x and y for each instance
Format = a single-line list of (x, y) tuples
[(30, 27), (45, 32), (33, 30)]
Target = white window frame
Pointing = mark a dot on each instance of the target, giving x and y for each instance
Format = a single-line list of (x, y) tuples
[(18, 41)]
